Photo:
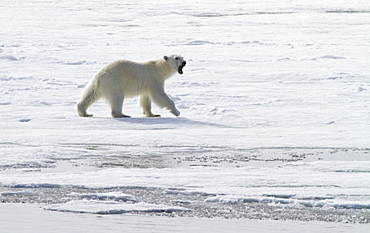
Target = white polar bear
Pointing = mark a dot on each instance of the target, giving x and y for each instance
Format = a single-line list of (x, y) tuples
[(124, 79)]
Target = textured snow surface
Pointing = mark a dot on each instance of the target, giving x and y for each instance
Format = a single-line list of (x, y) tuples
[(274, 102)]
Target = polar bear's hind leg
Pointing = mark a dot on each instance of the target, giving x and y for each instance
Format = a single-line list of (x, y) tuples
[(116, 103), (81, 110), (89, 97)]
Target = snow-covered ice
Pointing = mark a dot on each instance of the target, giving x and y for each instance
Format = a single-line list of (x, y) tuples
[(274, 124)]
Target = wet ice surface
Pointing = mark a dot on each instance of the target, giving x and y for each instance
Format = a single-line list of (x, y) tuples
[(260, 198), (274, 105), (33, 219)]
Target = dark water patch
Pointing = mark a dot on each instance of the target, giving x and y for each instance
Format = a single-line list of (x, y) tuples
[(219, 14), (348, 11)]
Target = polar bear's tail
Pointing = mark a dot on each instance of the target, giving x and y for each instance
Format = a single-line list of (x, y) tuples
[(89, 96)]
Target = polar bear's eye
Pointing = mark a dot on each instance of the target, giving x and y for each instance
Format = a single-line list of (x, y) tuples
[(177, 58)]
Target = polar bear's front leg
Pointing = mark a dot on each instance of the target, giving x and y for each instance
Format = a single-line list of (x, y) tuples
[(161, 99), (146, 104)]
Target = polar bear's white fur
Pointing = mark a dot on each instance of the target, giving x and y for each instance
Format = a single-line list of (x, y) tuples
[(124, 79)]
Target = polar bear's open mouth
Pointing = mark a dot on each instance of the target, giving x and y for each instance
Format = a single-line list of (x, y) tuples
[(181, 66)]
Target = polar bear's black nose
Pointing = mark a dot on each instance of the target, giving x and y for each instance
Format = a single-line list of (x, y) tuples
[(183, 63)]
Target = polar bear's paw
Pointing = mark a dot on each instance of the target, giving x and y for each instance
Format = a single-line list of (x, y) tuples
[(153, 115), (175, 112), (84, 114), (81, 111), (121, 116)]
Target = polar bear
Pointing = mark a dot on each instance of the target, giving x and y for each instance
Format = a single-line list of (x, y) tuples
[(124, 79)]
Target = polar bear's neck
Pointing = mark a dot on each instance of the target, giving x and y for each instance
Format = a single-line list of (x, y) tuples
[(165, 71)]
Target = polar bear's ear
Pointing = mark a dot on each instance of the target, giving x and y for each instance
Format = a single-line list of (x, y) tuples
[(165, 57)]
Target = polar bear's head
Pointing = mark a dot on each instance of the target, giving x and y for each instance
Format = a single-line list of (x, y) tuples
[(177, 62)]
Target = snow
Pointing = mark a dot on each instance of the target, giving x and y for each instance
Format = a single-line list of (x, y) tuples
[(110, 207), (274, 105)]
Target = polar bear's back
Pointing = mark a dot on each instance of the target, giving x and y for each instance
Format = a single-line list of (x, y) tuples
[(127, 77), (122, 69)]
